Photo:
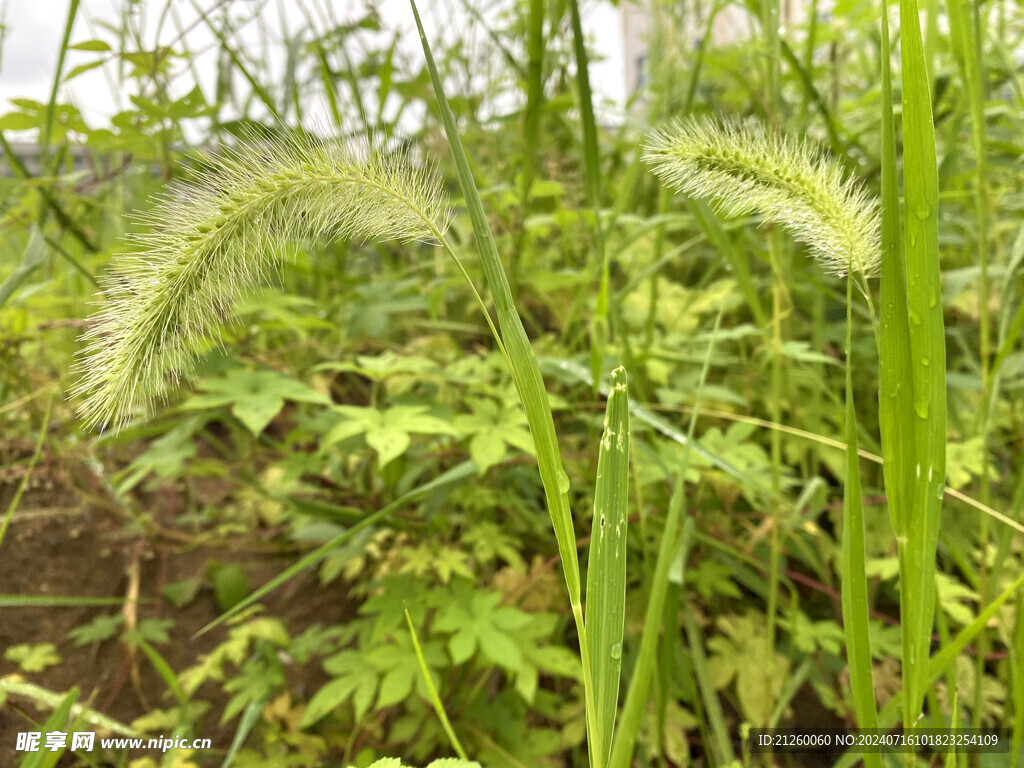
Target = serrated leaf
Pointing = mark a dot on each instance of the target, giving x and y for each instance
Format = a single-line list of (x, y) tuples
[(329, 698), (181, 593), (461, 646), (395, 686), (414, 418), (355, 680), (257, 411), (99, 629)]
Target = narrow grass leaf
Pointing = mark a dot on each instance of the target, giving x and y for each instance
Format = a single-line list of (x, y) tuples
[(47, 698), (163, 668), (927, 360), (435, 699), (525, 370), (625, 738), (56, 601), (855, 601), (606, 568), (525, 374), (592, 184), (250, 716), (57, 721)]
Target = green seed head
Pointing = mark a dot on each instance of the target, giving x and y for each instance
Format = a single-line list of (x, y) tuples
[(743, 169), (213, 240)]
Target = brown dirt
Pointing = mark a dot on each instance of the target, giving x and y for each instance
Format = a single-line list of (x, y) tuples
[(59, 544)]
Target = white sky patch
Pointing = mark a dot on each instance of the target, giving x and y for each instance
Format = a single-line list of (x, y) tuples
[(34, 29)]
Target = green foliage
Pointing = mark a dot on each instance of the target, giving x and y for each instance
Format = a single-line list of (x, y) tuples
[(352, 485), (33, 658), (255, 397)]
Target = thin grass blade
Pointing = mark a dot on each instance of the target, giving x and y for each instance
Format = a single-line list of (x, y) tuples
[(854, 577), (927, 363), (435, 699), (624, 741), (606, 570), (528, 381)]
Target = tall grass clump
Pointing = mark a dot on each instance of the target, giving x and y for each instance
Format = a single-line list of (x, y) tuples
[(208, 242)]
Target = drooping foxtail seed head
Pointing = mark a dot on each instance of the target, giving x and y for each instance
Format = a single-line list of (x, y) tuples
[(211, 241), (743, 169)]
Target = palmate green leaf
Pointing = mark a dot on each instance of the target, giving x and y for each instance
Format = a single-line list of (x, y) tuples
[(387, 431), (606, 571), (354, 680), (388, 442), (33, 658), (739, 656), (493, 429), (455, 474), (477, 621), (96, 631)]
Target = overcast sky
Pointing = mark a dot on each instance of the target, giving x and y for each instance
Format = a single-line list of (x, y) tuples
[(34, 29)]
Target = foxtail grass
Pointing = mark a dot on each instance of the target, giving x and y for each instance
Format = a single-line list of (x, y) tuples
[(208, 242), (743, 168)]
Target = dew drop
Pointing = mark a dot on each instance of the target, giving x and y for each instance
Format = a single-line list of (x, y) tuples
[(563, 482), (925, 362), (921, 409), (915, 318), (933, 302), (922, 211), (616, 651)]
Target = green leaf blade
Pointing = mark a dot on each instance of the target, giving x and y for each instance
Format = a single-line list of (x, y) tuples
[(606, 572), (927, 361)]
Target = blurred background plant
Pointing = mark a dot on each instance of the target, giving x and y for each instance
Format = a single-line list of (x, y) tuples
[(116, 549)]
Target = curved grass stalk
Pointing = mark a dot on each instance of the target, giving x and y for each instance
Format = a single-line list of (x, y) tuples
[(742, 168), (212, 240)]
